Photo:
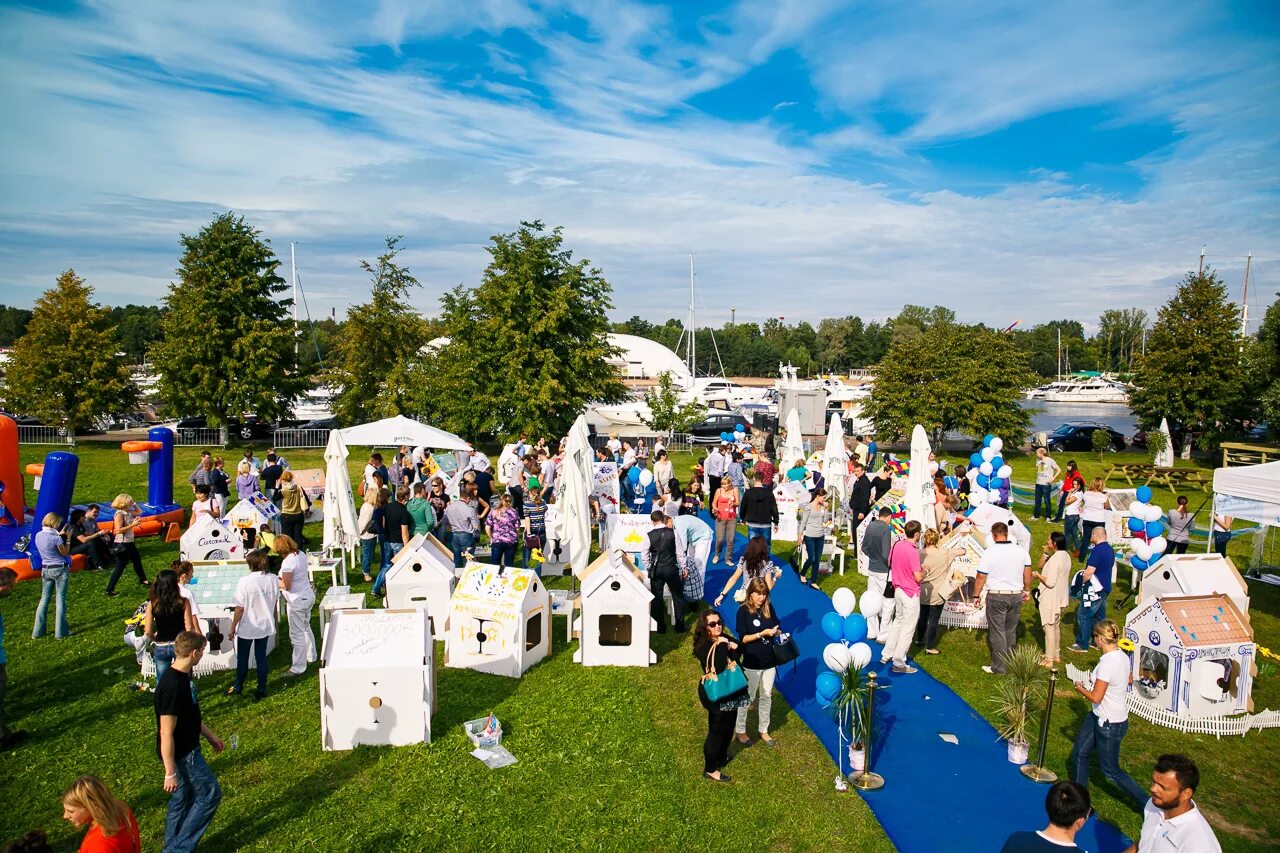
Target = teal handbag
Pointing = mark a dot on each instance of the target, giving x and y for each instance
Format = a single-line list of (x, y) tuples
[(722, 685)]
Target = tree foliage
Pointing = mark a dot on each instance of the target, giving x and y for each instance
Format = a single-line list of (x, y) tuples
[(1268, 366), (138, 327), (952, 377), (377, 358), (667, 412), (228, 341), (13, 322), (64, 369), (1192, 372), (528, 347)]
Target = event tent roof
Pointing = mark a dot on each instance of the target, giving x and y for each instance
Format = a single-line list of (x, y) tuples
[(393, 432), (1250, 491)]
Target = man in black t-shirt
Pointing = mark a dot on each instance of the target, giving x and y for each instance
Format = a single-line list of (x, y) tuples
[(271, 473), (1068, 806), (195, 792), (663, 566), (399, 527)]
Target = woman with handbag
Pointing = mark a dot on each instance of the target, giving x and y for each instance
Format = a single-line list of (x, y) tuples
[(722, 690), (168, 614), (758, 629), (122, 546), (755, 563), (724, 506)]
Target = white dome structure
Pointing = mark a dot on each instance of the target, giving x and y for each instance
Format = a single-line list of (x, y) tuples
[(642, 358)]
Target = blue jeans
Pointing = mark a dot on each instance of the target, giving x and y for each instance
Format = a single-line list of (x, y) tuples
[(1086, 538), (52, 580), (1086, 617), (813, 550), (1044, 492), (383, 547), (1106, 738), (461, 542), (192, 805), (764, 530), (366, 555), (259, 661), (389, 550), (503, 553), (1071, 530), (162, 654), (1062, 505), (1220, 541)]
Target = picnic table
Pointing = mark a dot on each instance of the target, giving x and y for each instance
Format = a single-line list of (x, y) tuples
[(1142, 474)]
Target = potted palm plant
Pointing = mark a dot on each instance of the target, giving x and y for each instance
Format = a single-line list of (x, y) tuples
[(850, 709), (1017, 692)]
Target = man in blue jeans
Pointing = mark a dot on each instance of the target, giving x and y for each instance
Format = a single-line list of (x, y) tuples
[(195, 792), (1047, 472), (464, 528), (1093, 602), (759, 509)]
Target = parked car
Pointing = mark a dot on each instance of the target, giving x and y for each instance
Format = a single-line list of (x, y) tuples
[(248, 429), (321, 423), (1077, 437), (708, 432)]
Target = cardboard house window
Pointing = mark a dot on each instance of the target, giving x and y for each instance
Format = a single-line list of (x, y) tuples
[(615, 629), (1153, 673), (533, 632)]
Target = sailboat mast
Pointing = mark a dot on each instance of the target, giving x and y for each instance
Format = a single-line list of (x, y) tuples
[(1059, 355), (293, 274), (693, 327)]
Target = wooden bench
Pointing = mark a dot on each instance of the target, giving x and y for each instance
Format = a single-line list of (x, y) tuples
[(1140, 474)]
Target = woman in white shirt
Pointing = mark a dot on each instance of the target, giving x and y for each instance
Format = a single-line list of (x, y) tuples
[(1072, 501), (1106, 725), (254, 622), (663, 472), (1221, 532), (299, 597), (1093, 514), (1055, 579)]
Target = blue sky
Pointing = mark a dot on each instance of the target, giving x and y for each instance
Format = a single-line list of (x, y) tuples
[(1011, 160)]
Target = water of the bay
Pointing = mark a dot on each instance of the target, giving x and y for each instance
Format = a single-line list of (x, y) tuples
[(1046, 417)]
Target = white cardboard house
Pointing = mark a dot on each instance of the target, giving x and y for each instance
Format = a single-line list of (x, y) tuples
[(253, 512), (377, 679), (614, 625), (1194, 574), (1193, 658), (209, 539), (422, 575), (499, 621), (959, 608)]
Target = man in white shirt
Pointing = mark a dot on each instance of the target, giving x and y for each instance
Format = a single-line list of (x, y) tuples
[(1171, 821), (1047, 472), (548, 476), (714, 468), (1005, 573)]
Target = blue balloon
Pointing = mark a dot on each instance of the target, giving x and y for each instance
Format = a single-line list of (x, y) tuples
[(855, 628), (975, 460), (987, 439), (996, 482), (951, 481), (827, 686), (997, 462), (1144, 494), (833, 626), (984, 481), (633, 474), (742, 427), (1154, 529), (1138, 563), (1136, 524)]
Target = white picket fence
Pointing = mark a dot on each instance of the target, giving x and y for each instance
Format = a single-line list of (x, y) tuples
[(28, 434), (197, 437), (301, 438)]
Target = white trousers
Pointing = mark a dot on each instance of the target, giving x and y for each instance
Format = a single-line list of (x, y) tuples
[(300, 635), (903, 628), (879, 580), (759, 682)]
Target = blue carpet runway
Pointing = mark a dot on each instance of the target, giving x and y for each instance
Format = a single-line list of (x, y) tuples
[(958, 797)]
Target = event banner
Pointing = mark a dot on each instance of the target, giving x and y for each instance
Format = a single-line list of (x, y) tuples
[(605, 486), (788, 495)]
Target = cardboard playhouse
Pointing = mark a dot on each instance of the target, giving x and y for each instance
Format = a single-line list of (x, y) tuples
[(422, 576), (499, 621), (614, 624), (960, 609), (377, 679), (253, 512), (982, 517), (1194, 574), (209, 538)]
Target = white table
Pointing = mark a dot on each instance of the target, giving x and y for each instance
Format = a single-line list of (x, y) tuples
[(337, 598), (318, 564)]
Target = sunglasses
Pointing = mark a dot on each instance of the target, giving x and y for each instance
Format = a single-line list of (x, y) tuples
[(714, 624)]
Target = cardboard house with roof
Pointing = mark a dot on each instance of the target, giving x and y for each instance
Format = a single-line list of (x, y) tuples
[(1194, 574), (253, 512), (959, 609), (377, 679), (1193, 658), (614, 624), (209, 539), (422, 576), (499, 621)]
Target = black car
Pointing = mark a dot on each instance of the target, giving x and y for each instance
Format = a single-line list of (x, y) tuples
[(1077, 437), (249, 428), (708, 432)]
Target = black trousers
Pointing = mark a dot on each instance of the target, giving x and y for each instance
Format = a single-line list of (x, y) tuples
[(291, 526), (659, 607), (927, 626), (713, 486), (715, 749), (97, 551), (1178, 547), (129, 554)]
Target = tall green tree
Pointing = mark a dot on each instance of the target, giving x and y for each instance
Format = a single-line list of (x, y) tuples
[(527, 347), (377, 358), (1119, 340), (667, 412), (952, 377), (227, 348), (64, 369), (1193, 371), (1268, 366)]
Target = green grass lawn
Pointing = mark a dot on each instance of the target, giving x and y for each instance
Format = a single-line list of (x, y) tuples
[(609, 758)]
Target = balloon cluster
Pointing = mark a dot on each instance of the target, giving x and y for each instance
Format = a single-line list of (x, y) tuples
[(638, 477), (847, 631), (988, 472), (739, 435), (1147, 526)]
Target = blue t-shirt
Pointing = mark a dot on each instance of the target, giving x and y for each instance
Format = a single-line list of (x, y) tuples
[(1033, 842), (1103, 560), (47, 542)]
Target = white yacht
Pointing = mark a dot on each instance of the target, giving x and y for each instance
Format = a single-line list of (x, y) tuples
[(1082, 389)]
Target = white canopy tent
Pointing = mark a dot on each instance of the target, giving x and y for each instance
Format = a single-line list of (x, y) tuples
[(1250, 492), (835, 460), (397, 431), (918, 480), (341, 531)]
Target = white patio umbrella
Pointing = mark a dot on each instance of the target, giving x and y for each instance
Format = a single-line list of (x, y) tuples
[(397, 431), (573, 495), (341, 531), (793, 447), (918, 480), (835, 460), (1164, 459)]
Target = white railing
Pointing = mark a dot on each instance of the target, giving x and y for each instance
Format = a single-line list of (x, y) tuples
[(197, 437), (29, 434), (300, 438)]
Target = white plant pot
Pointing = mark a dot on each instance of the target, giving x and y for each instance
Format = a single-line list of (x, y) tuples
[(857, 760), (1018, 752)]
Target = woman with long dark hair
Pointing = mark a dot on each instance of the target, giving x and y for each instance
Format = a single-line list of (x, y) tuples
[(755, 563), (716, 652), (168, 615)]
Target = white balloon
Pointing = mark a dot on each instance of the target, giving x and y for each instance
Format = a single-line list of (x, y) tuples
[(1159, 545), (1154, 513), (869, 603), (972, 474), (997, 444), (836, 656), (977, 496), (859, 655), (985, 468), (843, 600), (1138, 509), (1005, 472), (988, 454), (646, 478), (1142, 550)]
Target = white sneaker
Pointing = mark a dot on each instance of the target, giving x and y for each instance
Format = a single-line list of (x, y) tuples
[(988, 670)]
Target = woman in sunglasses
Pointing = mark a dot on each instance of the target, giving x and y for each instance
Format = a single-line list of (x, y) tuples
[(716, 652)]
